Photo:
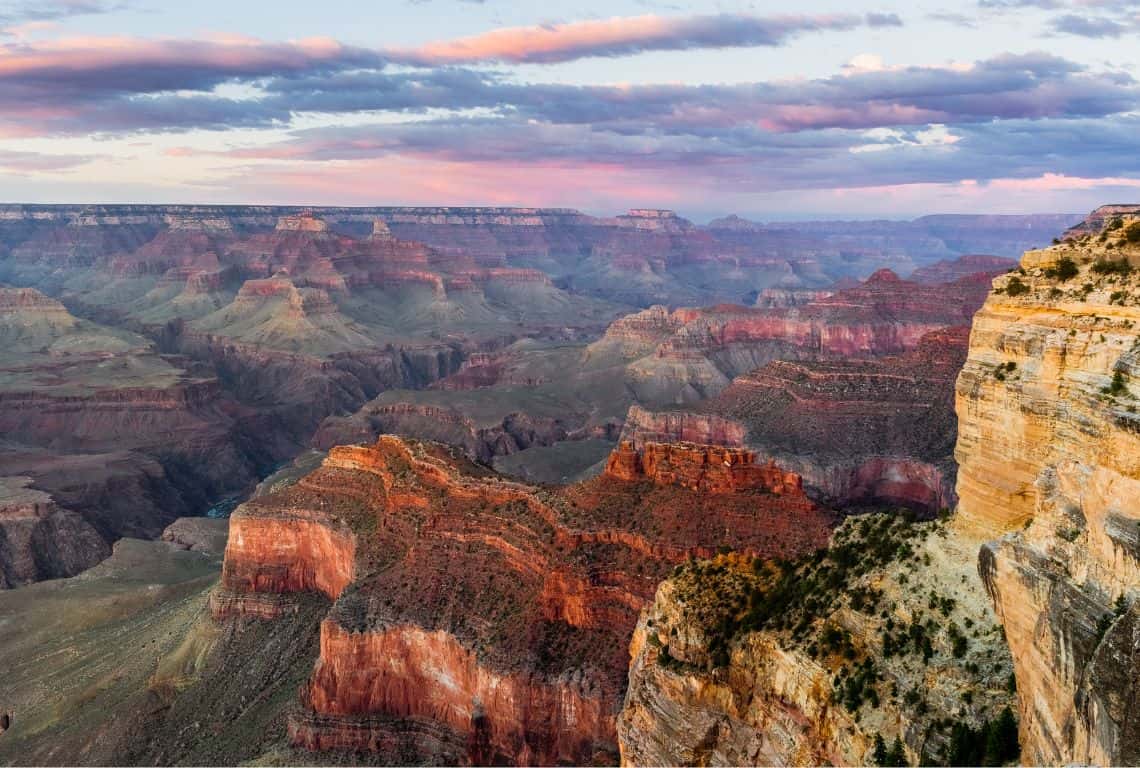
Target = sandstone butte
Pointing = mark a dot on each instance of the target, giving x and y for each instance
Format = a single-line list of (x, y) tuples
[(495, 617), (1049, 456)]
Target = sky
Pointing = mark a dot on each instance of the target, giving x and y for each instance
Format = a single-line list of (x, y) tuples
[(770, 110)]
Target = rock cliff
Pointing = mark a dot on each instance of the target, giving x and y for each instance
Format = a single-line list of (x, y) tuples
[(491, 613), (1049, 458), (878, 431), (886, 633)]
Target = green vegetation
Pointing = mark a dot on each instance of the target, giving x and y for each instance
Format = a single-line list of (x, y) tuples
[(1015, 287), (1065, 269), (1105, 266), (992, 743), (1132, 233), (1118, 385), (895, 756), (796, 596), (806, 603)]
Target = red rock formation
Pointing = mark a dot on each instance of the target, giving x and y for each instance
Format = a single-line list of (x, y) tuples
[(875, 431), (884, 315), (498, 613), (643, 426), (706, 468)]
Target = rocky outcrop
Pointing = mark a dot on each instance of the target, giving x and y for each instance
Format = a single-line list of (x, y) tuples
[(746, 662), (515, 432), (643, 426), (40, 539), (507, 608), (704, 468), (861, 432), (1095, 222), (1049, 459), (302, 222)]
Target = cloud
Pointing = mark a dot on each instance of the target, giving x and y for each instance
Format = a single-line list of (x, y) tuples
[(739, 157), (867, 95), (37, 162), (1096, 27), (83, 67), (53, 10), (292, 79), (1004, 5), (625, 36)]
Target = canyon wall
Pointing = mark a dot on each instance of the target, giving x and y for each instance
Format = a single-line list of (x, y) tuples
[(860, 432), (1049, 455), (489, 614), (746, 662)]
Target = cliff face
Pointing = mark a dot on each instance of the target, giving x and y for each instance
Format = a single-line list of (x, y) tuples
[(705, 468), (1050, 462), (490, 613), (41, 540), (122, 438), (746, 662), (868, 432)]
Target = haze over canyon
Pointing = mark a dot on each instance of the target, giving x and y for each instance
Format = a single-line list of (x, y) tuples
[(528, 486), (638, 382)]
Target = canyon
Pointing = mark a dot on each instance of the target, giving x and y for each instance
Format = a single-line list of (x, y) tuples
[(493, 614), (746, 661), (525, 486)]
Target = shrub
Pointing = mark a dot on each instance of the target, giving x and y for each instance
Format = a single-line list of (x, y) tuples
[(1065, 269), (1117, 386), (1015, 287), (1132, 233), (1103, 266)]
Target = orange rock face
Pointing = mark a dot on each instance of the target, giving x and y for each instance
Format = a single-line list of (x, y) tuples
[(489, 617), (707, 468)]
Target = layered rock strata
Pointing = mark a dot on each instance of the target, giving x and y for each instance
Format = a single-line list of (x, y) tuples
[(887, 633), (496, 612), (859, 431), (1049, 459)]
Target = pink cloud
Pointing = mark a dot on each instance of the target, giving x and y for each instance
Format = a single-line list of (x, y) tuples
[(628, 35), (422, 181), (798, 117), (1055, 182)]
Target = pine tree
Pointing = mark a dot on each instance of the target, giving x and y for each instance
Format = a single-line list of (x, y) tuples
[(1006, 730), (880, 754), (896, 757)]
